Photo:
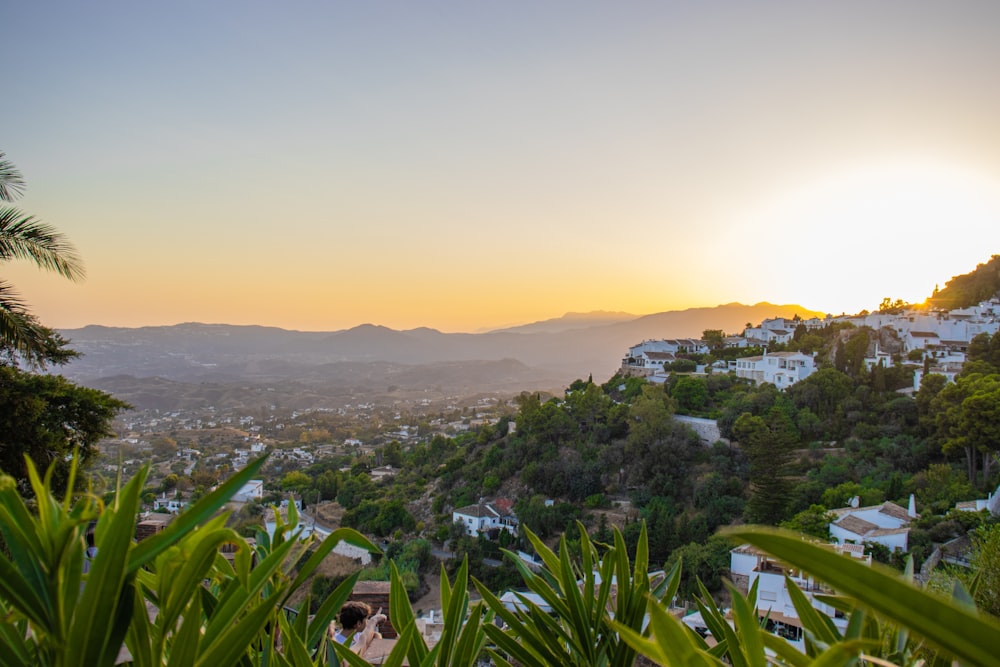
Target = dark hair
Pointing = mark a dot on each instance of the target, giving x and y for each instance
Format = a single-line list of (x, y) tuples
[(353, 613)]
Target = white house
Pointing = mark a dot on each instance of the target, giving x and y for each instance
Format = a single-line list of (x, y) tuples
[(920, 340), (991, 502), (482, 518), (649, 356), (880, 358), (782, 369), (383, 472), (252, 490), (949, 371), (763, 336), (748, 564), (172, 505), (736, 341), (887, 524)]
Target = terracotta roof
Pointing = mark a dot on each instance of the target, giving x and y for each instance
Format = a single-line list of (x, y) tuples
[(478, 511), (890, 508), (855, 525)]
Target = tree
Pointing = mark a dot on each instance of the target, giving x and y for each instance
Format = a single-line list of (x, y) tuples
[(296, 481), (814, 521), (48, 418), (659, 451), (589, 406), (691, 393), (967, 417), (979, 348), (714, 338), (986, 568), (24, 237), (767, 445), (824, 393), (892, 307)]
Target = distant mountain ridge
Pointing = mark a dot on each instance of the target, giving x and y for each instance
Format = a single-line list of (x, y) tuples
[(569, 321), (194, 352)]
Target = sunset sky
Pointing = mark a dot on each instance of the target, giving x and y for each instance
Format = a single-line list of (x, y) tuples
[(466, 165)]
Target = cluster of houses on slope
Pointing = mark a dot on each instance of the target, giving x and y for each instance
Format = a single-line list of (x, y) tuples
[(851, 529), (942, 338), (652, 358)]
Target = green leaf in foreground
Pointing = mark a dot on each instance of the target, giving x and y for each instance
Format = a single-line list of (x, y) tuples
[(969, 636)]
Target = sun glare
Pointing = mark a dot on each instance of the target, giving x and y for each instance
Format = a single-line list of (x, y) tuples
[(892, 230)]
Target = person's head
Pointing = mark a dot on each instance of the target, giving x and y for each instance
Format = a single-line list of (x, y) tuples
[(353, 614)]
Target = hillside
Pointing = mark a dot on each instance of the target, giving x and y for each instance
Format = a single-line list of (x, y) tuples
[(970, 288)]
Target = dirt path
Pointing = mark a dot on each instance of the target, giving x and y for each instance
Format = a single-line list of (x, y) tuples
[(432, 599)]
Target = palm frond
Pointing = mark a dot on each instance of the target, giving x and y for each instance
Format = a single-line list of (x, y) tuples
[(11, 182), (23, 339), (24, 237), (18, 328)]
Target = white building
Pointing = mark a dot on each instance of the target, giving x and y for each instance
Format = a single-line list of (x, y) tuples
[(252, 490), (991, 503), (949, 371), (482, 518), (887, 524), (748, 564), (172, 505), (764, 336), (649, 356), (782, 369)]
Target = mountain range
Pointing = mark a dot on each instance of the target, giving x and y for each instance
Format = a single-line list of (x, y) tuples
[(544, 355)]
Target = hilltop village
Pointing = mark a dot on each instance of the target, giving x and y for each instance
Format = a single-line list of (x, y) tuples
[(924, 342)]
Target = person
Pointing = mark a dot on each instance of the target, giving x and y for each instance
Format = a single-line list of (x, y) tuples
[(91, 551), (358, 624)]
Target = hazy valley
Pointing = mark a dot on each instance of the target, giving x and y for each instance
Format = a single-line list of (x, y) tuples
[(191, 365)]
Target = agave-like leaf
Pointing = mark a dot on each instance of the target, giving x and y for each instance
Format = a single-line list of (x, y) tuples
[(818, 629), (186, 521), (670, 641), (969, 636)]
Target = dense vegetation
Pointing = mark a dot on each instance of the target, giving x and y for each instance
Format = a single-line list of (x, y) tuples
[(213, 611), (970, 288), (613, 455)]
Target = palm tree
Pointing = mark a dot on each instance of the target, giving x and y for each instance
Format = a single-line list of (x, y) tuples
[(24, 237)]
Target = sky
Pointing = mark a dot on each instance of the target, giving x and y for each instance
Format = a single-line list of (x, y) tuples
[(471, 165)]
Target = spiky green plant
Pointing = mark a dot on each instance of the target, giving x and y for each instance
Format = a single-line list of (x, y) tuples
[(586, 592), (891, 621), (462, 639), (54, 614)]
